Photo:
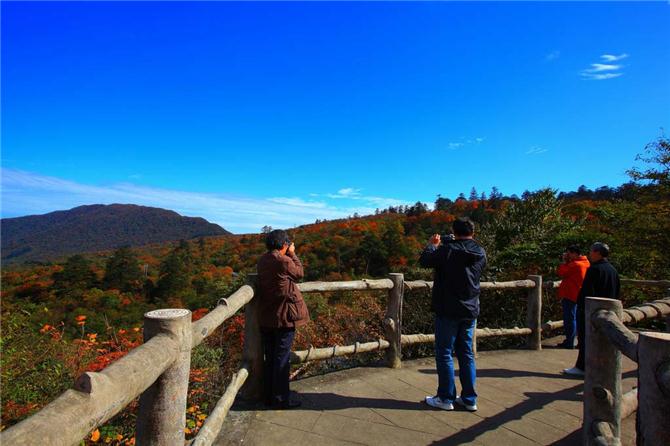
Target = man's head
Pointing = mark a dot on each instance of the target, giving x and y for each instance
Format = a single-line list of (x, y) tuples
[(463, 227), (573, 252), (277, 239), (599, 251)]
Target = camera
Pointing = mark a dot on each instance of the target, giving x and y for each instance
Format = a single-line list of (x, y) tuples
[(448, 237)]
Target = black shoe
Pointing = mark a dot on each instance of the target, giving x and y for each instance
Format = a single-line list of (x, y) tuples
[(287, 405), (566, 346)]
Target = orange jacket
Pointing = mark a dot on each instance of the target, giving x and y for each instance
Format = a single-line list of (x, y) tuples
[(572, 274)]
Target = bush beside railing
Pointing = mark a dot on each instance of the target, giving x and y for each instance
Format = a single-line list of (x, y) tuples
[(158, 370)]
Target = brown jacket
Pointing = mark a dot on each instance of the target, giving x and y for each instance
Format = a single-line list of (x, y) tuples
[(280, 302)]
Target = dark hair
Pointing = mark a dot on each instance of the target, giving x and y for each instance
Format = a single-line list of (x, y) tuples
[(601, 248), (574, 249), (276, 239), (463, 227)]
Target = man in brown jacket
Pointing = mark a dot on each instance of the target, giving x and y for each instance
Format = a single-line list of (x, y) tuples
[(281, 310)]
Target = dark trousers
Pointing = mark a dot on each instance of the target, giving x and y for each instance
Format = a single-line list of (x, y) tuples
[(277, 344), (581, 333)]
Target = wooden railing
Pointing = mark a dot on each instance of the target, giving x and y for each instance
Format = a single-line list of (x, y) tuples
[(604, 404), (158, 370)]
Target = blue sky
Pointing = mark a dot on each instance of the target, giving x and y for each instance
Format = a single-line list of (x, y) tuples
[(250, 114)]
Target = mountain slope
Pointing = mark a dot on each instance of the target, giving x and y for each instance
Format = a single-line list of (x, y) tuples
[(94, 228)]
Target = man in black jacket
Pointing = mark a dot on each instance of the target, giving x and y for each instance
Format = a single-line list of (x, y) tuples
[(458, 263), (601, 280)]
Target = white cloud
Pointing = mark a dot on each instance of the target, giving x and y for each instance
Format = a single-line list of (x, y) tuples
[(464, 142), (596, 67), (552, 56), (536, 150), (599, 77), (25, 193), (602, 71), (612, 57)]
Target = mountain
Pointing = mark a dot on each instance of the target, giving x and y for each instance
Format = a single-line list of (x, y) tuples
[(95, 228)]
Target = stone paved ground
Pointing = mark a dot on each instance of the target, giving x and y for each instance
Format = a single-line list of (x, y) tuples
[(523, 400)]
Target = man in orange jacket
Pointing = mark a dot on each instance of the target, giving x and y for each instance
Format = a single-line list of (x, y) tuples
[(572, 272)]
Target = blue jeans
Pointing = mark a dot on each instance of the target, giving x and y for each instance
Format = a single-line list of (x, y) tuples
[(569, 321), (458, 333)]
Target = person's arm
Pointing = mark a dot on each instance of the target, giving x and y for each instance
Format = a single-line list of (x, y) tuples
[(431, 254), (293, 265), (588, 285), (563, 270)]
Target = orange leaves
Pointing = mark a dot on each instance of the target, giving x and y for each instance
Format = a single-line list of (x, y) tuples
[(199, 313), (81, 319), (95, 436)]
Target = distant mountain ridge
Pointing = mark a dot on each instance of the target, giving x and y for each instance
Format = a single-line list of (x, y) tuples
[(96, 227)]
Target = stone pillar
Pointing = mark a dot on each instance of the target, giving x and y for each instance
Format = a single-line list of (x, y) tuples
[(253, 347), (653, 419), (393, 320), (534, 314), (161, 417), (602, 383)]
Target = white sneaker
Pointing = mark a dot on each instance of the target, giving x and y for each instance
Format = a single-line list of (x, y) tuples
[(436, 401), (468, 407), (573, 371)]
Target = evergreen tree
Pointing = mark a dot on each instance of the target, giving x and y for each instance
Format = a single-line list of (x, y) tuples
[(443, 204), (77, 276), (123, 271), (373, 251), (175, 272)]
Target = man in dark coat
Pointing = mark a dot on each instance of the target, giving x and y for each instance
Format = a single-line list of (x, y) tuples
[(458, 263), (281, 309), (601, 280)]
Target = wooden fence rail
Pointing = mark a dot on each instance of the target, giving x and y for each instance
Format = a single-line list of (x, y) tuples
[(158, 370), (604, 406)]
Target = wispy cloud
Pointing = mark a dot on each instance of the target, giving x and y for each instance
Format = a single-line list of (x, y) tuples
[(612, 57), (552, 56), (462, 142), (601, 71), (536, 150), (25, 193), (347, 192), (350, 193)]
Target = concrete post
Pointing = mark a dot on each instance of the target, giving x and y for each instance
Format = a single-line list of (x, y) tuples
[(534, 314), (653, 424), (253, 347), (602, 383), (161, 417), (393, 320)]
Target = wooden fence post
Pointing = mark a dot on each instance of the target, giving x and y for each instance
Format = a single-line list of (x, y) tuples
[(393, 320), (253, 347), (534, 314), (602, 383), (161, 417), (653, 355)]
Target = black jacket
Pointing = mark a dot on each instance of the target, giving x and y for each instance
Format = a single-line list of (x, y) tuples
[(601, 280), (458, 266)]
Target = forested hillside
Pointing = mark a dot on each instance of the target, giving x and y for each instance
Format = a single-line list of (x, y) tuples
[(95, 228)]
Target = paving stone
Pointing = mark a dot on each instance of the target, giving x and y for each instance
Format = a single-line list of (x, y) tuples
[(365, 432)]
